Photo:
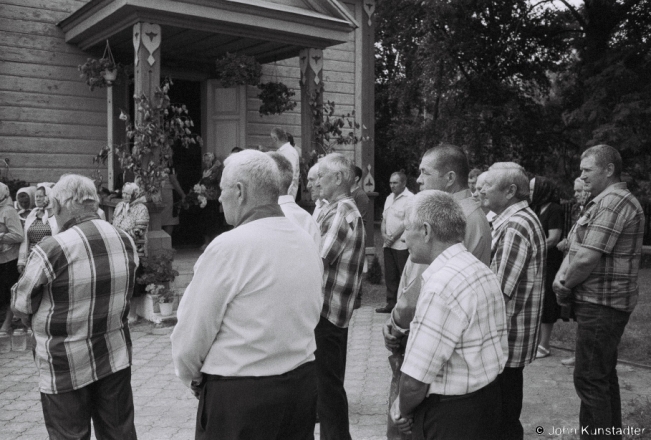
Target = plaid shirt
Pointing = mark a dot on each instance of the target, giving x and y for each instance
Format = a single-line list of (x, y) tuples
[(457, 340), (518, 259), (78, 285), (613, 224), (342, 247)]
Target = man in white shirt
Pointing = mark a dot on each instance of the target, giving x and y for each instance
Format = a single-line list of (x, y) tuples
[(292, 211), (319, 202), (245, 340), (282, 146), (395, 249)]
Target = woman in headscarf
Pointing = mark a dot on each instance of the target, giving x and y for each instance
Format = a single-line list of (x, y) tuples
[(131, 215), (11, 235), (25, 202), (210, 215), (39, 224), (546, 204)]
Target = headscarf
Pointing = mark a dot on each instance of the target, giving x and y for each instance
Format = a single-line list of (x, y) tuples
[(45, 210), (31, 192), (544, 191), (131, 196), (5, 197)]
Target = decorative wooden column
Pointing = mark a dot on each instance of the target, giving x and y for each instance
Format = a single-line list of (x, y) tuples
[(147, 39), (311, 63)]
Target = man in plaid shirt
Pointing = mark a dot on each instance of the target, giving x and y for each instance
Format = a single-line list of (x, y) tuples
[(75, 290), (342, 251), (518, 256), (599, 279), (457, 344)]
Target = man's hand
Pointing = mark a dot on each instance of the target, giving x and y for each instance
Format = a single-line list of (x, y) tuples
[(21, 268), (26, 319), (562, 245), (392, 343), (563, 294), (197, 387), (403, 423), (388, 240)]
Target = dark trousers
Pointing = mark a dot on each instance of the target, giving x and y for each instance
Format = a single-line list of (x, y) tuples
[(108, 402), (332, 402), (394, 264), (599, 331), (510, 383), (474, 416), (8, 277), (259, 408)]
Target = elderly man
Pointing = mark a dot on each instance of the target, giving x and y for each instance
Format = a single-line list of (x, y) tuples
[(457, 344), (395, 249), (319, 202), (444, 168), (519, 254), (342, 251), (280, 139), (599, 277), (292, 211), (75, 290), (245, 340)]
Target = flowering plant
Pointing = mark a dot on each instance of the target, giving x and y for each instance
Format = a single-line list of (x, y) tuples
[(157, 269), (165, 295), (196, 196)]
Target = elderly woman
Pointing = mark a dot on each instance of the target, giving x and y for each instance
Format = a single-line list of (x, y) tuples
[(39, 224), (11, 234), (25, 202), (210, 215), (131, 215)]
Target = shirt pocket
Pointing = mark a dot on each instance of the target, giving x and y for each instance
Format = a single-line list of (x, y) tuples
[(581, 227)]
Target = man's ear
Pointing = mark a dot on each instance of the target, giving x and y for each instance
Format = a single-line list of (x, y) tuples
[(339, 178), (54, 206), (610, 170), (426, 229), (511, 191), (240, 192), (450, 178)]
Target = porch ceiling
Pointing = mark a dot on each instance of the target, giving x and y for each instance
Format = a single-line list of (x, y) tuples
[(198, 31)]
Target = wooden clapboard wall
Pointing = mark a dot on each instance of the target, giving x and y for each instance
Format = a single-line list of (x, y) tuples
[(339, 70), (50, 122)]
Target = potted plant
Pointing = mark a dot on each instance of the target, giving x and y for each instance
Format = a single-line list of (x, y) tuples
[(164, 297), (157, 269), (276, 98), (100, 73)]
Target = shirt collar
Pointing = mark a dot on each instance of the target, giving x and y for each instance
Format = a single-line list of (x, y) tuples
[(405, 192), (605, 192), (78, 220), (260, 212), (285, 199), (508, 212), (440, 261)]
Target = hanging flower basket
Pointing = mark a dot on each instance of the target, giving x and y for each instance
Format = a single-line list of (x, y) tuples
[(100, 73), (237, 70), (276, 98)]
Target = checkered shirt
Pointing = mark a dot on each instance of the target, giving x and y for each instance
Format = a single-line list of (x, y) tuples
[(77, 286), (613, 224), (458, 338), (518, 259), (342, 247)]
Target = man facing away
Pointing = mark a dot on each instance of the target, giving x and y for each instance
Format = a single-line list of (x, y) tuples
[(443, 168), (244, 341), (457, 344), (518, 259), (394, 247), (281, 144), (76, 290), (292, 211), (599, 278), (359, 195), (342, 251)]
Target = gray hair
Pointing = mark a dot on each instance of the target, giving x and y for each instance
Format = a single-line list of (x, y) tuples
[(605, 155), (338, 163), (76, 193), (280, 134), (285, 169), (441, 212), (401, 175), (256, 171), (579, 180), (510, 173)]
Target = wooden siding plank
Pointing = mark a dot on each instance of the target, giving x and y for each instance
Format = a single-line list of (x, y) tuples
[(48, 160), (39, 100), (340, 77), (36, 15), (67, 6), (33, 144), (36, 175), (64, 73), (337, 66), (11, 128), (45, 115), (30, 27), (36, 56), (74, 88), (43, 42)]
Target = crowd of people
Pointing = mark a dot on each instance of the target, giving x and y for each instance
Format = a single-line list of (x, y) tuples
[(476, 275)]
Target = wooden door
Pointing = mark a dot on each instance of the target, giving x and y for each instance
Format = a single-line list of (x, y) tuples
[(225, 118)]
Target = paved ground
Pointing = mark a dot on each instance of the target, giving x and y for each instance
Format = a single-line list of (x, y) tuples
[(165, 409)]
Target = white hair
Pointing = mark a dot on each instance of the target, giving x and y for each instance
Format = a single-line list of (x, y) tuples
[(338, 163), (76, 194), (255, 170), (441, 212), (510, 173), (314, 169)]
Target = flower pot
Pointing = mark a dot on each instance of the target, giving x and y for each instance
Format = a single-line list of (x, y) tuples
[(110, 75), (166, 309)]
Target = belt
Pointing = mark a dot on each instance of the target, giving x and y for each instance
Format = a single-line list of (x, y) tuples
[(447, 398), (212, 377)]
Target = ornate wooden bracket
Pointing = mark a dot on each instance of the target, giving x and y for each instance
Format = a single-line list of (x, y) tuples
[(369, 7)]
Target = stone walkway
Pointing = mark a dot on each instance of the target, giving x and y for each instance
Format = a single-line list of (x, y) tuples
[(165, 409)]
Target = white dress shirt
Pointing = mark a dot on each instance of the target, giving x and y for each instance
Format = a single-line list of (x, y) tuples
[(253, 303), (291, 155), (300, 217), (394, 216)]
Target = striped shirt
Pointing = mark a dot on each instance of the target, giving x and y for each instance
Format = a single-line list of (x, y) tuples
[(78, 285), (342, 248), (518, 259), (613, 224), (457, 340)]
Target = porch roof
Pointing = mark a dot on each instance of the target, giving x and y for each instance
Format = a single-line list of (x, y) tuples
[(199, 31)]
